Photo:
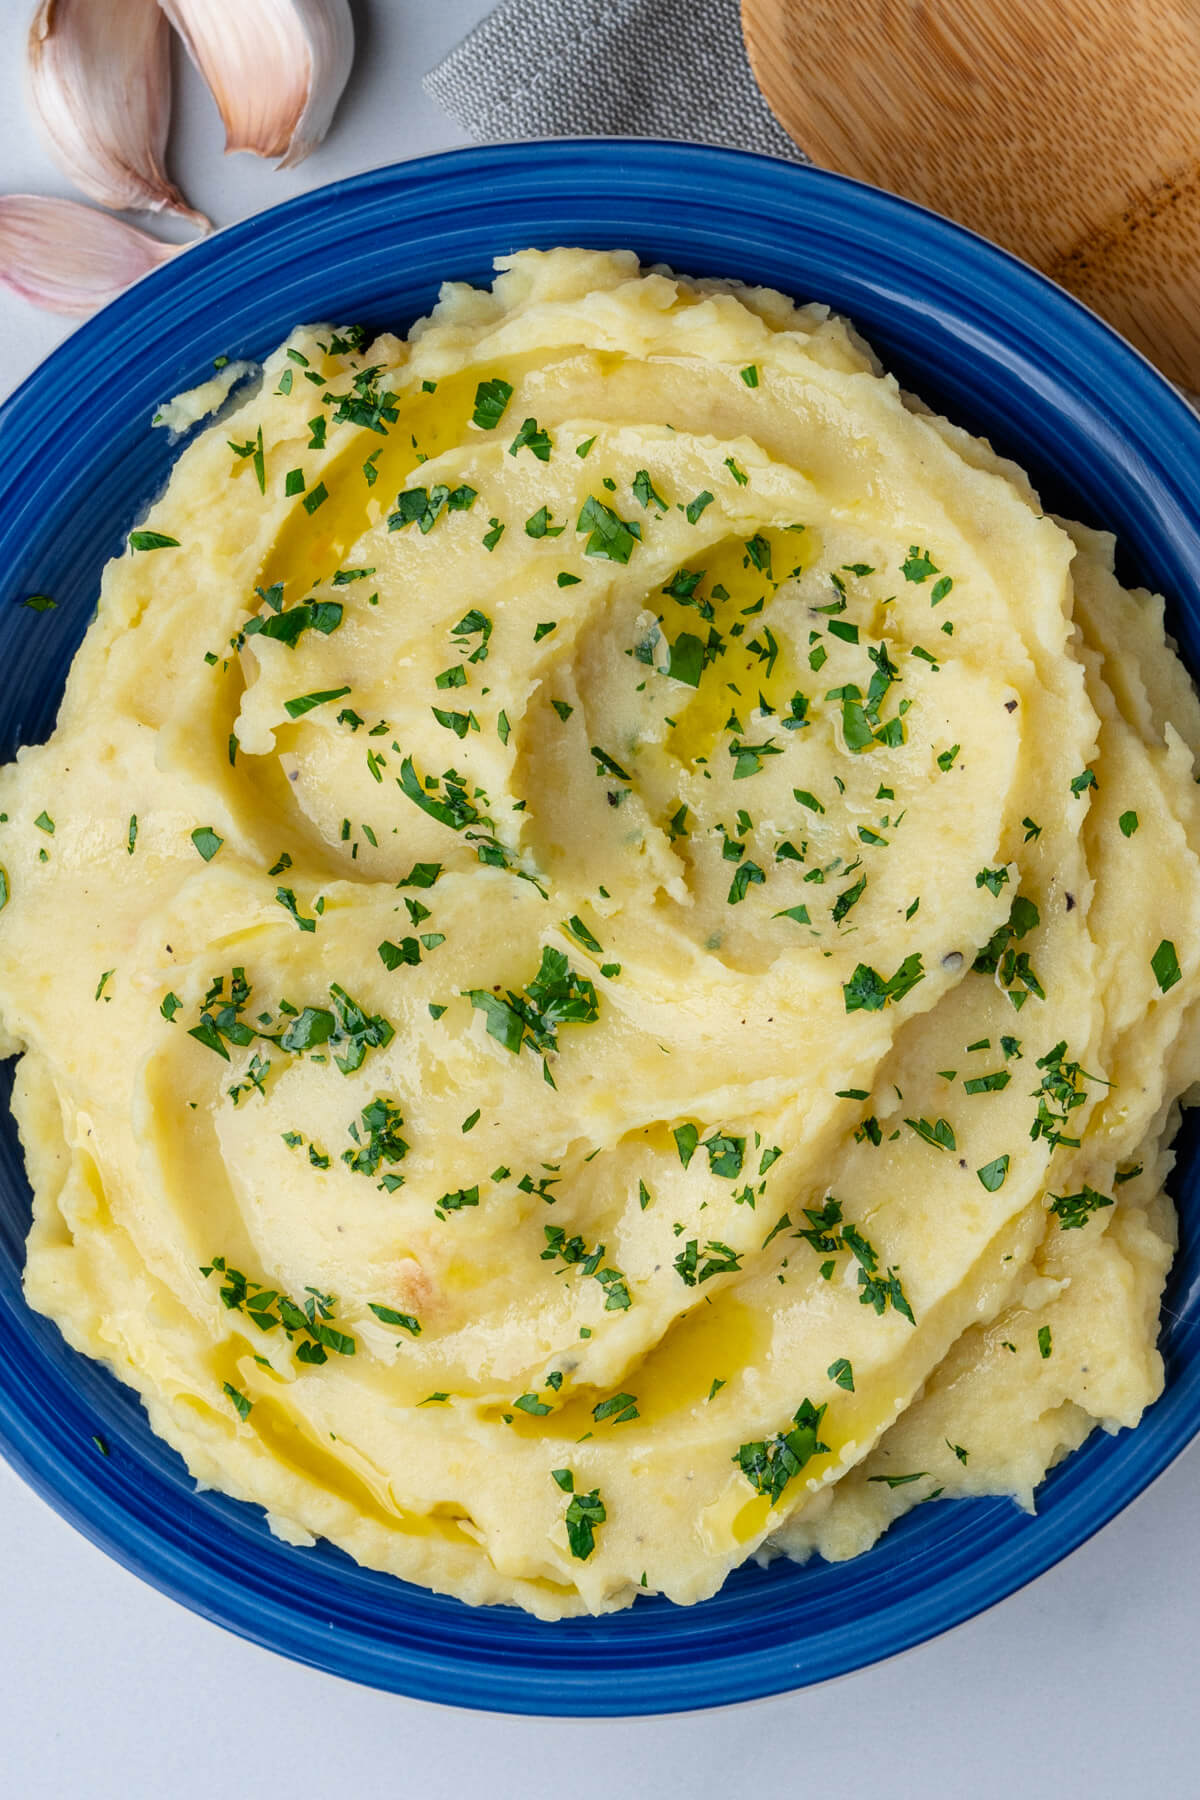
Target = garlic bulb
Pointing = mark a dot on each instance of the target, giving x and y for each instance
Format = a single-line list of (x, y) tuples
[(99, 87), (69, 258), (276, 67)]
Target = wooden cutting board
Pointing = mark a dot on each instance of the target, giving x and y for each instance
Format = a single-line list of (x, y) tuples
[(1066, 130)]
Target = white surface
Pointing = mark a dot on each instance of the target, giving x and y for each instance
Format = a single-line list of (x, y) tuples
[(1082, 1684)]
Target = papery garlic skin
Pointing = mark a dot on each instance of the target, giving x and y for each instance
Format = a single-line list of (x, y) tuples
[(69, 258), (98, 77), (276, 68)]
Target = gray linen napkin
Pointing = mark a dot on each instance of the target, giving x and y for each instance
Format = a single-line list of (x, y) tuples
[(609, 68)]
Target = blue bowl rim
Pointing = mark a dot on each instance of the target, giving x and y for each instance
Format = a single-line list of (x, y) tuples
[(1143, 396)]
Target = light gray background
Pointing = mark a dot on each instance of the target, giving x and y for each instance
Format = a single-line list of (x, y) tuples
[(1084, 1683)]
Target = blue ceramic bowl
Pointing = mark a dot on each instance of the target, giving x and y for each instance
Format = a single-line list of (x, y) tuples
[(978, 335)]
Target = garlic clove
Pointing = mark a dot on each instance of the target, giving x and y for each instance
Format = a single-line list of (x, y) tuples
[(98, 76), (276, 67), (69, 258)]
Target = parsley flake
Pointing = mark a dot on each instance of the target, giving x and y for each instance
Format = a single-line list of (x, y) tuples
[(917, 565), (994, 1174), (867, 991), (152, 540), (1074, 1210), (770, 1464), (491, 400), (609, 537), (1165, 964), (204, 837), (532, 437)]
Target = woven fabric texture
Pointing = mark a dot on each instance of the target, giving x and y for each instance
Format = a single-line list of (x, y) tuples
[(609, 68)]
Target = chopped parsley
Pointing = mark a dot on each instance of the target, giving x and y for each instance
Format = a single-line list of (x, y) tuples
[(608, 536), (1011, 967), (347, 1028), (403, 1321), (798, 913), (1074, 1210), (532, 437), (608, 765), (1062, 1088), (917, 565), (538, 525), (645, 492), (584, 1514), (1165, 964), (289, 625), (452, 807), (988, 1084), (867, 991), (267, 1308), (491, 401), (423, 507), (395, 956), (747, 875), (619, 1408), (152, 540), (573, 1251), (304, 703), (204, 838), (579, 931), (827, 1233), (253, 448), (472, 624), (556, 996), (287, 899), (847, 898), (940, 1133), (769, 1464), (457, 722), (365, 403), (454, 1202), (241, 1405), (376, 1137), (994, 1174), (749, 758), (695, 1266)]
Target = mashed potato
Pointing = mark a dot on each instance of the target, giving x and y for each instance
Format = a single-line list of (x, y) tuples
[(605, 950)]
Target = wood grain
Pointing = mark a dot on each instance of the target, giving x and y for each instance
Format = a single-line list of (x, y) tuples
[(1065, 130)]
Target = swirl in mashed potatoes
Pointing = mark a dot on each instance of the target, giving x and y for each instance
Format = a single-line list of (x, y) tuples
[(605, 950)]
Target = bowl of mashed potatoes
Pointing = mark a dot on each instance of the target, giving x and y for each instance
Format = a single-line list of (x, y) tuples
[(601, 945)]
